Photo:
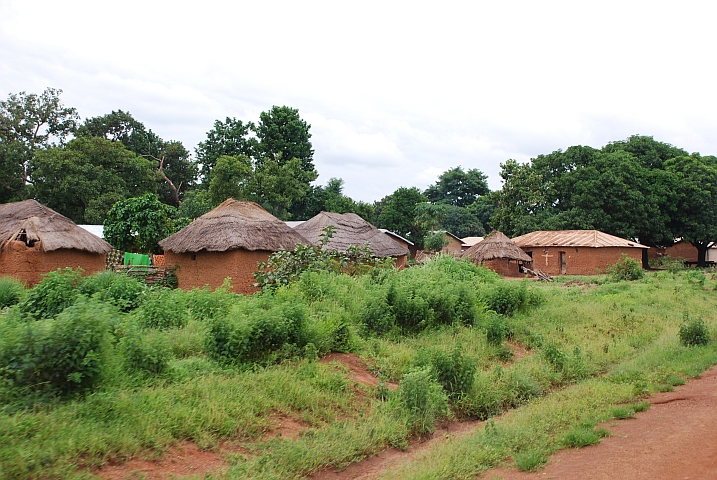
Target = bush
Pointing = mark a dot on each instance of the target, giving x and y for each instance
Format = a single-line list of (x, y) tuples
[(423, 401), (504, 297), (204, 304), (454, 371), (376, 316), (162, 308), (56, 291), (144, 353), (11, 291), (693, 332), (58, 356), (495, 330), (625, 269), (120, 290)]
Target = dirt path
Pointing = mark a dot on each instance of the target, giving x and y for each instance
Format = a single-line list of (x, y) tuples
[(675, 439)]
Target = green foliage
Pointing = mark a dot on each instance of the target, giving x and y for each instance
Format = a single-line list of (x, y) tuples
[(231, 177), (504, 297), (454, 371), (423, 401), (495, 330), (56, 291), (253, 331), (530, 461), (138, 224), (626, 268), (693, 332), (231, 138), (583, 436), (85, 178), (162, 308), (283, 134), (57, 356), (11, 291), (459, 188), (145, 352), (396, 212), (435, 241), (204, 304), (120, 290)]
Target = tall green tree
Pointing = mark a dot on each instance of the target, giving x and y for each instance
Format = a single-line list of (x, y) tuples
[(29, 123), (696, 200), (397, 213), (232, 177), (284, 135), (459, 188), (330, 198), (83, 179), (177, 172), (231, 137)]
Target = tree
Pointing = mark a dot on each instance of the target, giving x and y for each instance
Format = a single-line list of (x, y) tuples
[(696, 217), (461, 222), (284, 135), (28, 123), (397, 213), (231, 138), (278, 184), (484, 208), (83, 179), (138, 224), (330, 198), (176, 171), (459, 188), (231, 177)]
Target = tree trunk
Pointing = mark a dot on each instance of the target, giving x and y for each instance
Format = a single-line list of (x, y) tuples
[(701, 253)]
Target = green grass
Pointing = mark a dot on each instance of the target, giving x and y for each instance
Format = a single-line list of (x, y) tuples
[(594, 352)]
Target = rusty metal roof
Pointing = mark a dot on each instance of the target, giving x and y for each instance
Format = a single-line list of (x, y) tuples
[(573, 238)]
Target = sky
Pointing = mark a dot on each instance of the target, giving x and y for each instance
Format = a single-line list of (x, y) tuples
[(396, 92)]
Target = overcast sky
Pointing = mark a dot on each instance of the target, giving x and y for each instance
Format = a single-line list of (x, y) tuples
[(395, 92)]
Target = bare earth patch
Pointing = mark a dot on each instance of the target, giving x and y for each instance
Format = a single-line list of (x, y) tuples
[(675, 439), (180, 461), (357, 367)]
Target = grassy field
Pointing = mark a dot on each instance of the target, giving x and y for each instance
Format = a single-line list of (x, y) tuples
[(101, 370)]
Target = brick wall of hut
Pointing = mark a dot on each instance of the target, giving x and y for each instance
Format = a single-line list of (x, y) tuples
[(211, 268), (679, 250), (454, 247), (29, 263), (505, 267), (579, 260)]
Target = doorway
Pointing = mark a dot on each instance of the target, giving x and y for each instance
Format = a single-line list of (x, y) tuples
[(563, 263)]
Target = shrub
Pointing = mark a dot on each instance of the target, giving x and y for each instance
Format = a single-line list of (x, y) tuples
[(583, 436), (423, 401), (495, 330), (204, 304), (61, 355), (376, 315), (454, 371), (530, 461), (626, 268), (144, 353), (693, 332), (162, 308), (11, 291), (120, 290), (504, 297), (56, 291)]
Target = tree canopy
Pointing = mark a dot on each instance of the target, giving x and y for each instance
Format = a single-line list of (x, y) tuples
[(138, 224)]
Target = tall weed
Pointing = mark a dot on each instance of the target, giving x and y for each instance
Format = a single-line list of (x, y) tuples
[(11, 291), (56, 291)]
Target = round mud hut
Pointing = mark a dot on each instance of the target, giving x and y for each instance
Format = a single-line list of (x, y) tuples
[(228, 241), (349, 230), (500, 254), (35, 239)]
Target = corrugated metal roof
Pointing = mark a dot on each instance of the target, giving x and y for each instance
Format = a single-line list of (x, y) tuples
[(470, 241), (573, 238)]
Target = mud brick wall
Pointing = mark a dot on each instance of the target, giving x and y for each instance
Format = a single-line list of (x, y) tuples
[(505, 267), (27, 264), (211, 268), (679, 250), (579, 260), (454, 246)]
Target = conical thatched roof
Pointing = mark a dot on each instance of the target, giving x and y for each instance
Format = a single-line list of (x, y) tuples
[(233, 225), (350, 230), (31, 222), (496, 245)]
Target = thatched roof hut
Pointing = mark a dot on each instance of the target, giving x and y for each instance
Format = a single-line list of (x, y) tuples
[(498, 253), (496, 245), (29, 221), (351, 229), (234, 224), (35, 239), (229, 241)]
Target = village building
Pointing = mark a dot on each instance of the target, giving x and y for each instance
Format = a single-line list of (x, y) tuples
[(576, 252), (228, 241), (498, 253), (468, 242), (35, 239), (684, 250), (401, 241), (349, 230)]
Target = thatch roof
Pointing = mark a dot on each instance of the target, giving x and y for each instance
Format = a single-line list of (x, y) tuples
[(496, 245), (350, 229), (31, 222), (233, 225), (573, 238)]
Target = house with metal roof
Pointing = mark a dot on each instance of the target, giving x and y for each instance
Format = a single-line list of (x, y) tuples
[(577, 252)]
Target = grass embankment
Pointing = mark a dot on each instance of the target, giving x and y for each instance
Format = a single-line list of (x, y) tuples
[(220, 368)]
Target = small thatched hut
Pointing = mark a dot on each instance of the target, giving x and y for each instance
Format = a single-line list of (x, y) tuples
[(500, 254), (229, 241), (350, 229), (35, 239)]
